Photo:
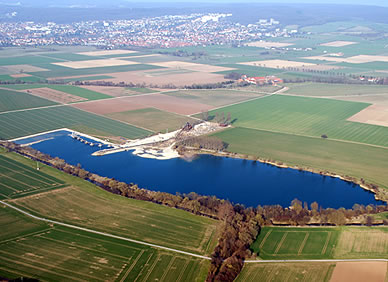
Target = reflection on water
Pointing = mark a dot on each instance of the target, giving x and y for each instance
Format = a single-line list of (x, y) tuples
[(241, 181)]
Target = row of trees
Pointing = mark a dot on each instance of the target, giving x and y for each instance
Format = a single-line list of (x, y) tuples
[(203, 142), (240, 225), (184, 54), (301, 214)]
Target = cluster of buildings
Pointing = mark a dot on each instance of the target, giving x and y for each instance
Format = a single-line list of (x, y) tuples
[(161, 32), (262, 80)]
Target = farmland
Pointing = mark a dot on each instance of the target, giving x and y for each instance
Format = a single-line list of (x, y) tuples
[(12, 100), (321, 243), (18, 180), (153, 119), (284, 272), (22, 123), (79, 255), (70, 255), (296, 243), (350, 159), (69, 89), (84, 204), (215, 98), (332, 90), (307, 116)]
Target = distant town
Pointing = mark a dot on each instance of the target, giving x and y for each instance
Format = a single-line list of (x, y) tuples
[(157, 32)]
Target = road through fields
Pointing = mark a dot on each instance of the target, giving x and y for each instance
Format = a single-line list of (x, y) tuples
[(171, 249)]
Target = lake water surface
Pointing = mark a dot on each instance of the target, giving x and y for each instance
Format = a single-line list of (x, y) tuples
[(240, 181)]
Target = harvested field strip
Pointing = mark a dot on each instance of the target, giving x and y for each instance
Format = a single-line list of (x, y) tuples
[(12, 100), (307, 116), (284, 272), (18, 124), (55, 95)]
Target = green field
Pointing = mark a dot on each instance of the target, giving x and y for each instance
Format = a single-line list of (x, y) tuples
[(325, 89), (70, 89), (345, 158), (84, 204), (19, 180), (296, 243), (79, 91), (321, 242), (307, 116), (284, 272), (218, 97), (23, 123), (34, 249), (12, 100), (6, 77), (152, 119)]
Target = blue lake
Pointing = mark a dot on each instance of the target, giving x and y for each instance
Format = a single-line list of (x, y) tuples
[(240, 181)]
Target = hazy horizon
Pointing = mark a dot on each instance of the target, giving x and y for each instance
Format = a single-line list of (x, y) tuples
[(97, 3)]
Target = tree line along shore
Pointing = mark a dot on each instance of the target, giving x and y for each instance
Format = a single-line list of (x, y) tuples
[(240, 225)]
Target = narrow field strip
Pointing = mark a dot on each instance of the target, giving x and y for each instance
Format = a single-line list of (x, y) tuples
[(82, 247), (43, 270), (152, 267), (183, 270), (167, 269), (16, 173), (101, 240), (280, 243), (26, 235), (9, 187), (132, 266), (303, 243), (59, 255), (264, 239), (145, 264), (50, 266), (326, 243), (39, 191), (30, 170)]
